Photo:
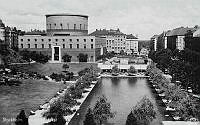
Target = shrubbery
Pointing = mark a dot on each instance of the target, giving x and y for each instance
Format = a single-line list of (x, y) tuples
[(67, 58), (59, 77), (33, 55), (62, 106), (82, 57)]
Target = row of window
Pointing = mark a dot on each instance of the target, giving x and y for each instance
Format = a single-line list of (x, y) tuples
[(84, 27), (57, 40), (63, 46)]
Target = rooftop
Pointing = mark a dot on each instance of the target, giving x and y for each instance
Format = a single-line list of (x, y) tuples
[(131, 36), (66, 14), (181, 31), (155, 36), (104, 32), (35, 32)]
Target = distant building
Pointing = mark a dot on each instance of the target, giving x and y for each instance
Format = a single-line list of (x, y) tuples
[(153, 42), (131, 44), (174, 39), (2, 31), (65, 34), (197, 33), (115, 40), (11, 37)]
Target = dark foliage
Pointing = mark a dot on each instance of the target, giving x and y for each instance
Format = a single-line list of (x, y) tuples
[(67, 58), (89, 118), (21, 118), (82, 57)]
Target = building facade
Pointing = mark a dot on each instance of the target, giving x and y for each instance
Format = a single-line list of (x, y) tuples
[(118, 41), (175, 39), (154, 42), (131, 44), (2, 31), (62, 38)]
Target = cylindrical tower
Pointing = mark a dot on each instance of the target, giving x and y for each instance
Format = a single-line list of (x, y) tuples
[(66, 24)]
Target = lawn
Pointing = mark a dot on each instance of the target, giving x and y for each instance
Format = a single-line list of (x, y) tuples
[(49, 68), (27, 96), (32, 93)]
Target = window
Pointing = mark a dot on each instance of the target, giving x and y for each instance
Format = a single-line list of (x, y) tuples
[(63, 45), (63, 40), (42, 45), (28, 39), (77, 46), (70, 46), (42, 40), (61, 25), (80, 26), (70, 40), (91, 40), (74, 26), (84, 40), (29, 46), (35, 45), (21, 45), (68, 26), (56, 40), (49, 45), (50, 26), (91, 46), (84, 46), (35, 40), (77, 40), (49, 40), (54, 24), (22, 40)]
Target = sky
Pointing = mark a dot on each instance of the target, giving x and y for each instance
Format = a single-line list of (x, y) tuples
[(143, 17)]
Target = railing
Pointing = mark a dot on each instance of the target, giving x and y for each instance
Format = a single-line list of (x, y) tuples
[(123, 66)]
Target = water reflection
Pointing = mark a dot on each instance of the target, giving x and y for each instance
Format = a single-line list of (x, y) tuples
[(132, 81), (115, 80)]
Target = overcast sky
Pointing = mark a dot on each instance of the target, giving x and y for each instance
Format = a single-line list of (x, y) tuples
[(142, 17)]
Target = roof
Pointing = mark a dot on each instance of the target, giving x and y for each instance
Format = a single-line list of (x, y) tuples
[(66, 14), (130, 36), (35, 33), (105, 32), (181, 31), (155, 36)]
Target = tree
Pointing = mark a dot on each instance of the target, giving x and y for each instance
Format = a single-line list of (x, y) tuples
[(82, 57), (21, 118), (122, 52), (131, 119), (89, 118), (67, 58), (115, 69), (65, 66), (102, 110), (144, 111), (132, 69), (56, 112)]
